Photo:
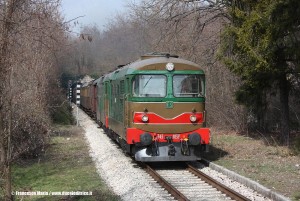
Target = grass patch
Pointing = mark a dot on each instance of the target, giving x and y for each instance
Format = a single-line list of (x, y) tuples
[(276, 167), (65, 166)]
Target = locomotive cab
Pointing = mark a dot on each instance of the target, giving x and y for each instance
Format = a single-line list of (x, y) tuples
[(167, 110)]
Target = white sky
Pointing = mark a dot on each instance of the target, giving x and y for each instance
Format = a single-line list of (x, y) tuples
[(95, 12)]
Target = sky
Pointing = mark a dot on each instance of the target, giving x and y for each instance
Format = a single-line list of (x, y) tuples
[(95, 12)]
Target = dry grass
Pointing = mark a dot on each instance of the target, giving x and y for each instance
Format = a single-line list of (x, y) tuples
[(259, 158), (64, 166)]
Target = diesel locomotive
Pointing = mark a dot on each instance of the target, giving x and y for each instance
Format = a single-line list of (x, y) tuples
[(154, 108)]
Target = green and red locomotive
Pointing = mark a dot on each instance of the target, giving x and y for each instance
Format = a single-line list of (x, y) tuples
[(154, 108)]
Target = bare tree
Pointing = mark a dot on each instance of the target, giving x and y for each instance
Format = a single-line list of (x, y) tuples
[(97, 51), (30, 33)]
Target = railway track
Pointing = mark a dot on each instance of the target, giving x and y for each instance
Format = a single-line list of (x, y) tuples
[(188, 183)]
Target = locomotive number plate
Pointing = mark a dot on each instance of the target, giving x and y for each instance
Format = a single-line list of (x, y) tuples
[(174, 136), (169, 104)]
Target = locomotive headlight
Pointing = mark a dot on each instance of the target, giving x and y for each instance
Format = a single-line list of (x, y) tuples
[(193, 118), (145, 118), (170, 66)]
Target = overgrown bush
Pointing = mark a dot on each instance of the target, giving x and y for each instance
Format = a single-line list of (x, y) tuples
[(31, 124), (63, 115)]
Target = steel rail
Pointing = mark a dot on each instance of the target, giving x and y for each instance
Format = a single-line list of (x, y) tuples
[(166, 185), (229, 192)]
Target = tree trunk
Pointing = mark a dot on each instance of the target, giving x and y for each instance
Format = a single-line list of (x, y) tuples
[(284, 101), (2, 147), (5, 145), (7, 172), (261, 107), (6, 101)]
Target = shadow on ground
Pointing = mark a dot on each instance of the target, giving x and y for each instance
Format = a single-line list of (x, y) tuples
[(214, 153)]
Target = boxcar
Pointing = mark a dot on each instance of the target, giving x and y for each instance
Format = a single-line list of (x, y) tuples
[(86, 96)]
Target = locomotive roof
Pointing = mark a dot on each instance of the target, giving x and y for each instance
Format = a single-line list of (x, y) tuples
[(146, 61), (156, 60)]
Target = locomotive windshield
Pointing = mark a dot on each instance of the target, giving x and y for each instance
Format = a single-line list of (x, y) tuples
[(188, 85), (149, 86)]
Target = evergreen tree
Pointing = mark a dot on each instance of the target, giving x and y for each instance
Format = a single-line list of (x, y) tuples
[(261, 45)]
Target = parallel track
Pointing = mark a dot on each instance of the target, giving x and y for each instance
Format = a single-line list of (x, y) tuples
[(183, 185), (165, 184), (229, 192)]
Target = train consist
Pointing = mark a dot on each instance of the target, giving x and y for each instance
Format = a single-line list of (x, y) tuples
[(154, 108)]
